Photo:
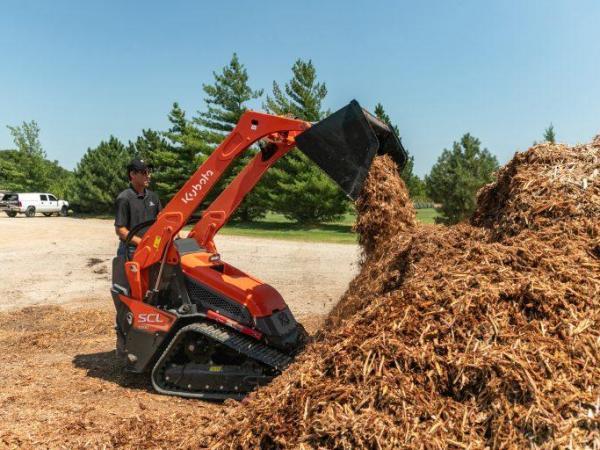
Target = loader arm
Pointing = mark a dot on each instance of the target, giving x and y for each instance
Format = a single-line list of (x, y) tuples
[(252, 126), (343, 145), (222, 208)]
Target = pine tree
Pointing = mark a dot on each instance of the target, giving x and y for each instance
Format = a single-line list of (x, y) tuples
[(100, 176), (549, 135), (175, 159), (226, 100), (302, 192), (303, 96), (457, 176), (146, 145), (415, 185), (173, 164)]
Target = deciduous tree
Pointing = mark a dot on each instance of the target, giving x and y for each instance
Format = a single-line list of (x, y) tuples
[(12, 175), (32, 158), (59, 179)]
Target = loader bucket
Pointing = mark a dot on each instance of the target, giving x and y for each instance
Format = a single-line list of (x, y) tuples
[(344, 144)]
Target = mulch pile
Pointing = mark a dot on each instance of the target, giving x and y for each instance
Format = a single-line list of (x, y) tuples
[(478, 335)]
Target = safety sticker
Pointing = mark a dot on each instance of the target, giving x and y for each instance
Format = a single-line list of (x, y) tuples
[(157, 241)]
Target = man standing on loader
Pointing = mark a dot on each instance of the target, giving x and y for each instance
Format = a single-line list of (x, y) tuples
[(135, 205)]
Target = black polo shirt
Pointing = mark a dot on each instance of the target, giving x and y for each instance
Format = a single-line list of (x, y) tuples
[(133, 208)]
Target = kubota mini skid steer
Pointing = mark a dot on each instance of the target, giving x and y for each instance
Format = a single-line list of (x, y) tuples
[(204, 328)]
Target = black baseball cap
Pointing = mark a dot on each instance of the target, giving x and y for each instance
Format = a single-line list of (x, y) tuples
[(139, 165)]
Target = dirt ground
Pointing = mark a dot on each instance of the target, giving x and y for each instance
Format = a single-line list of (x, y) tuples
[(61, 386), (66, 261)]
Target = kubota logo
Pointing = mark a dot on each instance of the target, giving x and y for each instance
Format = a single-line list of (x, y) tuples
[(150, 318), (193, 192)]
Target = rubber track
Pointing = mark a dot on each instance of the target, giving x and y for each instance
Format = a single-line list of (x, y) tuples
[(251, 348), (245, 345)]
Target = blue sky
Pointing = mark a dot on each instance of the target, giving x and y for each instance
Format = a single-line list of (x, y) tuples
[(500, 70)]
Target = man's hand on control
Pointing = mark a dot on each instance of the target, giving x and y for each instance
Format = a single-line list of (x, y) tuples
[(122, 232)]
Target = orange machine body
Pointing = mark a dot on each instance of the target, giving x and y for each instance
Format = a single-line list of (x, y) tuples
[(147, 318), (157, 243), (260, 298)]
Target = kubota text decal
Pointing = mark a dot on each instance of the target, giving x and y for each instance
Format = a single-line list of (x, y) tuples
[(193, 193)]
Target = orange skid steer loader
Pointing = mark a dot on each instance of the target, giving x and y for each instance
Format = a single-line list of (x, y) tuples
[(203, 328)]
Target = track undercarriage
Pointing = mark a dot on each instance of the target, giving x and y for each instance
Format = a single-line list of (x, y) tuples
[(207, 360)]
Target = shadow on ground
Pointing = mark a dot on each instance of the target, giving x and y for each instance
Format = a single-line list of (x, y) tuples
[(105, 366)]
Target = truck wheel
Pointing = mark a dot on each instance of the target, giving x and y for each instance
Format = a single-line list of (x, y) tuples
[(30, 212), (47, 214), (11, 213), (64, 211)]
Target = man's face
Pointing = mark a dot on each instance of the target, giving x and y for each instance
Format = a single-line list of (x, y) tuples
[(140, 178)]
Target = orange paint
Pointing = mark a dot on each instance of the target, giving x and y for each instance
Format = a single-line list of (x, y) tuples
[(148, 318)]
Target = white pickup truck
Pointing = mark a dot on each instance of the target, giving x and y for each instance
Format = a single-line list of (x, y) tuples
[(30, 203)]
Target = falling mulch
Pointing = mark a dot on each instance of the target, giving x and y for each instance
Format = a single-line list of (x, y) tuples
[(477, 335), (394, 220)]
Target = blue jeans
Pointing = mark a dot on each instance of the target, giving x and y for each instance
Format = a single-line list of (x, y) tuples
[(130, 249)]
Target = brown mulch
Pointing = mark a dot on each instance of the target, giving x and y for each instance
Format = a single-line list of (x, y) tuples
[(478, 335), (61, 386)]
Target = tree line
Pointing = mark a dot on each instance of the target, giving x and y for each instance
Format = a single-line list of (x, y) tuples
[(294, 187)]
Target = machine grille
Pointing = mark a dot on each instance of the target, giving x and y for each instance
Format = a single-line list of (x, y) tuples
[(207, 299)]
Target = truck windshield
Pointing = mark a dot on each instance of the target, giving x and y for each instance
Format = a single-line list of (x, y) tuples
[(10, 197)]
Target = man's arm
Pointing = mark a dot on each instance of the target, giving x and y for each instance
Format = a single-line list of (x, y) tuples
[(122, 232)]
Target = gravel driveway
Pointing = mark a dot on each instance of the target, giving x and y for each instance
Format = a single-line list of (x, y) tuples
[(66, 261)]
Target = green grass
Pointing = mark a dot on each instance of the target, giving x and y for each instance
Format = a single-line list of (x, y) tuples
[(427, 215), (275, 226)]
